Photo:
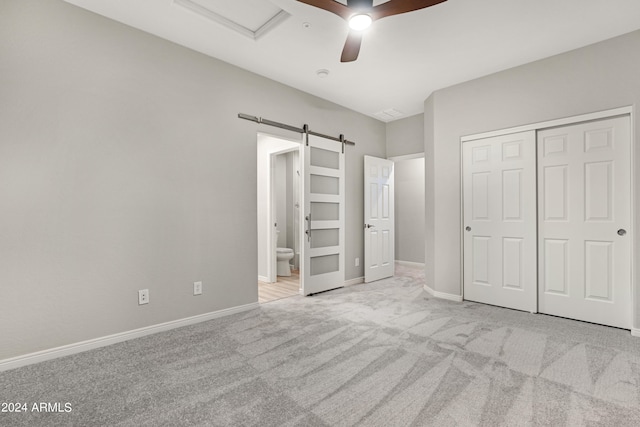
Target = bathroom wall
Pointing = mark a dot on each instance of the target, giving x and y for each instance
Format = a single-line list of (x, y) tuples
[(285, 180), (281, 198), (293, 205)]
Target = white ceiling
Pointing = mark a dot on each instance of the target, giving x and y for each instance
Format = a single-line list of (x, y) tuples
[(403, 58)]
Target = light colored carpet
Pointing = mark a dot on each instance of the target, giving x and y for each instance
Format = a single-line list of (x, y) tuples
[(380, 354)]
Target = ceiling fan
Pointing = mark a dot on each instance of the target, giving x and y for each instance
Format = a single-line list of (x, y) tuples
[(361, 13)]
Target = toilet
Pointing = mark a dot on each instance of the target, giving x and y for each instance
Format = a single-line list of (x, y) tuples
[(283, 256)]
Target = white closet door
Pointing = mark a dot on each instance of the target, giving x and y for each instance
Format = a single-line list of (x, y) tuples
[(499, 184), (324, 197), (379, 222), (584, 173)]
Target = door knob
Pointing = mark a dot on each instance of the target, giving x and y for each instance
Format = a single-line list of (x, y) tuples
[(368, 226), (622, 232), (467, 228)]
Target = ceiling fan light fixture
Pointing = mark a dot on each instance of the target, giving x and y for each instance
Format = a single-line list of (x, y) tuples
[(360, 22)]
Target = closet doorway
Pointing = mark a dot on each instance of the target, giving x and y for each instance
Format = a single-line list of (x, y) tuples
[(547, 220)]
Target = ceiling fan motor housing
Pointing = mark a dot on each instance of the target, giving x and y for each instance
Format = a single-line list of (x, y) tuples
[(360, 5)]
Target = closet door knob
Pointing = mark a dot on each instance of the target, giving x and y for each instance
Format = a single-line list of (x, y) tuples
[(622, 232), (467, 228)]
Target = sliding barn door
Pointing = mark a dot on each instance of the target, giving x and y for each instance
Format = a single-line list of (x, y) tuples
[(584, 212), (324, 261), (499, 181), (379, 222)]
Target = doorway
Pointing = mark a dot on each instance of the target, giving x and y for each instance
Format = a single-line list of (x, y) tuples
[(279, 228), (409, 179), (320, 210)]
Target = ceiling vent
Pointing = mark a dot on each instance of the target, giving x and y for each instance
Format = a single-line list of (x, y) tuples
[(388, 114), (251, 18)]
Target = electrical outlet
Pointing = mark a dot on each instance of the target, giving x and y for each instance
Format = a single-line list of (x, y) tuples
[(357, 262), (197, 288), (143, 296)]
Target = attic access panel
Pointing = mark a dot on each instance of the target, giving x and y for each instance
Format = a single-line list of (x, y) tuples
[(251, 18)]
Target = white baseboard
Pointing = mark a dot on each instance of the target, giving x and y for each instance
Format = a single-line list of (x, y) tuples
[(443, 295), (410, 264), (635, 332), (355, 281), (66, 350), (264, 279)]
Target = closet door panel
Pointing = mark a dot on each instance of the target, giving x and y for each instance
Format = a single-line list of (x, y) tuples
[(500, 221)]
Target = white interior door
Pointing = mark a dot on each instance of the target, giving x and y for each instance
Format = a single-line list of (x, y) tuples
[(379, 222), (584, 221), (499, 181), (323, 266)]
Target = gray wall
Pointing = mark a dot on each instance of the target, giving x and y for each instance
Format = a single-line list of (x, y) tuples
[(598, 77), (123, 166), (281, 196), (409, 210), (429, 193), (405, 136), (293, 198)]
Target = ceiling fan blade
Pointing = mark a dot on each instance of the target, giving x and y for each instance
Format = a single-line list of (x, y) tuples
[(396, 7), (330, 6), (351, 47)]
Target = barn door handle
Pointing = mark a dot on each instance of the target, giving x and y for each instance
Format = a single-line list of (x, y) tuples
[(622, 232), (308, 230)]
